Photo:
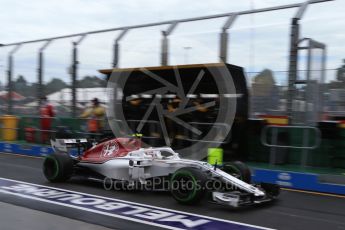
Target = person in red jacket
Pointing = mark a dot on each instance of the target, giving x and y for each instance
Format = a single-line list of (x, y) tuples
[(46, 117)]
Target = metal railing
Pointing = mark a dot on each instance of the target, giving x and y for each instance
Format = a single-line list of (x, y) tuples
[(305, 141), (224, 34)]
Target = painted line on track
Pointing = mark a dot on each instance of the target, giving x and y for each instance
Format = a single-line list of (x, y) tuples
[(132, 211), (313, 193)]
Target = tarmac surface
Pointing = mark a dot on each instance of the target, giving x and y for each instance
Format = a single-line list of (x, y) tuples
[(16, 217), (293, 210)]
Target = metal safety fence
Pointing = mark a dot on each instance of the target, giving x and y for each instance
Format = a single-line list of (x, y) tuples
[(311, 139), (224, 34)]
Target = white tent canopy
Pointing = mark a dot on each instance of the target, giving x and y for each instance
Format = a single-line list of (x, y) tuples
[(83, 95)]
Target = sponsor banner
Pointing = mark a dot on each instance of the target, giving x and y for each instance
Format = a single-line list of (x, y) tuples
[(150, 215), (28, 150), (296, 180), (25, 149)]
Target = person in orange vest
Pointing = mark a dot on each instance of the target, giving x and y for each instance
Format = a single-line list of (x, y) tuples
[(46, 117), (95, 115)]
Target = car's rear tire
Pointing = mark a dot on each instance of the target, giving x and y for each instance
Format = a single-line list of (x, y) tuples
[(239, 170), (58, 167), (188, 185)]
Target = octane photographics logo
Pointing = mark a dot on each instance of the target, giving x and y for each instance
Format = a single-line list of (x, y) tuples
[(189, 108)]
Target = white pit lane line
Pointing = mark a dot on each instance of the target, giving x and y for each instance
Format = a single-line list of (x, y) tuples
[(122, 209)]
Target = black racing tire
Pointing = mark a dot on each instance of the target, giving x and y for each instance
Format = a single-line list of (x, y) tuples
[(239, 170), (188, 185), (58, 167), (272, 190)]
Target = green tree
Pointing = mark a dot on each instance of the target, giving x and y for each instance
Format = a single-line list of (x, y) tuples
[(339, 83), (54, 85), (91, 82), (341, 72), (22, 87)]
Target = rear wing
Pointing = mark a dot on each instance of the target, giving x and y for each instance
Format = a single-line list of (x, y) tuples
[(63, 145)]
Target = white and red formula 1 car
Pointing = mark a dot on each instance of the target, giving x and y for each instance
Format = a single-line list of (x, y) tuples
[(122, 160)]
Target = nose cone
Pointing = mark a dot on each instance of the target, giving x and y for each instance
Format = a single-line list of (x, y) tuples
[(259, 192)]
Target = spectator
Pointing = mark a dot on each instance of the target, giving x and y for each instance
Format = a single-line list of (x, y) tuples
[(46, 118), (95, 115)]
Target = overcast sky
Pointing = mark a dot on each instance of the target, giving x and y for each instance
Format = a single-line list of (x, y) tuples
[(256, 42)]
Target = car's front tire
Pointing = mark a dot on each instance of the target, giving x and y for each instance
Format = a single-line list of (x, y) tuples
[(58, 167), (239, 170), (188, 185), (272, 190)]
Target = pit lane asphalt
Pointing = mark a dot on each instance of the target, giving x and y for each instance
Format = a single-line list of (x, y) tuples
[(293, 210)]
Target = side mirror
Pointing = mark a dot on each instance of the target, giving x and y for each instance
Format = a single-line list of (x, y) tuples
[(131, 163)]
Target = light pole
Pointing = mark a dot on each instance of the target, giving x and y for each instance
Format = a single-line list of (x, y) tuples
[(186, 49)]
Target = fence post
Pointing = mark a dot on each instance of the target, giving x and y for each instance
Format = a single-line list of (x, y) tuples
[(305, 151), (75, 74), (293, 57), (165, 43), (10, 78), (40, 89), (274, 138), (224, 36), (117, 48)]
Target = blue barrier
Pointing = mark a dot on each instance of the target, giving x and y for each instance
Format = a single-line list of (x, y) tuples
[(296, 180), (25, 149), (28, 149)]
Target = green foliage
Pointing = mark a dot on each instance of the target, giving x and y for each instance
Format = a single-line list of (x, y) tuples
[(341, 73), (26, 89), (91, 82), (22, 87), (54, 85)]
